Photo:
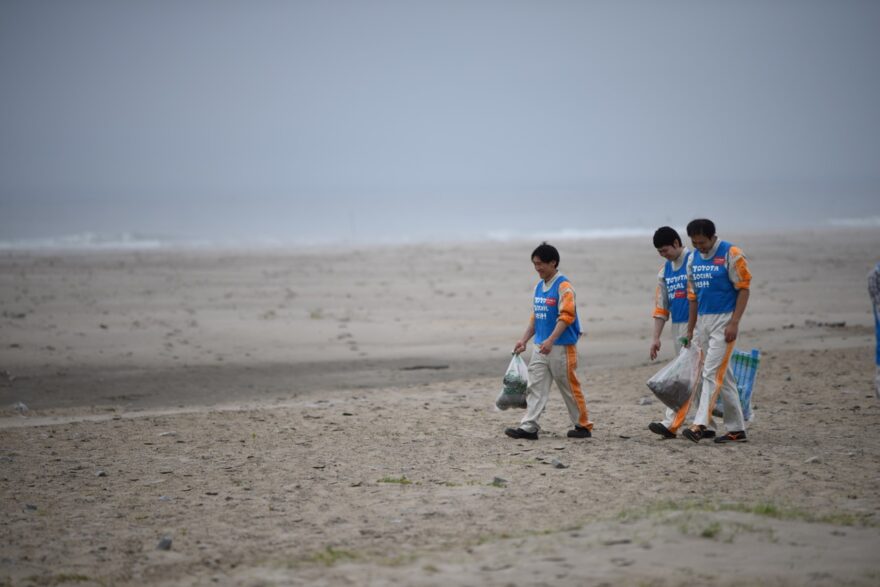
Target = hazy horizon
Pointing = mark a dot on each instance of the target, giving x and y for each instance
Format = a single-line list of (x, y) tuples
[(389, 121)]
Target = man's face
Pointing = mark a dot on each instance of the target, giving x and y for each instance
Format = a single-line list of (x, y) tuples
[(545, 270), (670, 252), (703, 243)]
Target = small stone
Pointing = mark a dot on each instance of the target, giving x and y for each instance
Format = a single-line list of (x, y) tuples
[(30, 507), (812, 460), (101, 474), (646, 401), (499, 481), (20, 408), (557, 464), (164, 543), (169, 433)]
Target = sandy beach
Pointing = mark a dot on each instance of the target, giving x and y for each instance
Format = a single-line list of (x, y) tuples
[(325, 417)]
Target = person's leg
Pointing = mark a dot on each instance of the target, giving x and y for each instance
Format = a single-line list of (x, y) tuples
[(563, 367), (715, 364), (538, 391)]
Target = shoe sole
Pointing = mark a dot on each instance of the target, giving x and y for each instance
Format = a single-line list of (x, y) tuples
[(692, 436), (668, 434)]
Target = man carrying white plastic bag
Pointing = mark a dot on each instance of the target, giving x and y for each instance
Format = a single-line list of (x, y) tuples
[(555, 326)]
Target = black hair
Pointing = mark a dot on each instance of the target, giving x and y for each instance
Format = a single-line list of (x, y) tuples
[(666, 236), (546, 253), (701, 226)]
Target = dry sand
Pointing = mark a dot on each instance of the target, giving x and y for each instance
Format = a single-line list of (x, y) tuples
[(325, 418)]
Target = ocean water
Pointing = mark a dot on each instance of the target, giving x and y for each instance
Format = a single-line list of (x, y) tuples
[(131, 241)]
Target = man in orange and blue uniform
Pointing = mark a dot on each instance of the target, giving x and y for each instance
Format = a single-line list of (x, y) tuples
[(554, 324), (718, 280), (671, 305)]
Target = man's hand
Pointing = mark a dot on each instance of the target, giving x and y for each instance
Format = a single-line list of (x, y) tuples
[(519, 347), (655, 348), (689, 339), (730, 331), (546, 347)]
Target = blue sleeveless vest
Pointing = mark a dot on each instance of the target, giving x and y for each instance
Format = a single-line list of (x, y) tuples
[(715, 292), (547, 313), (676, 289)]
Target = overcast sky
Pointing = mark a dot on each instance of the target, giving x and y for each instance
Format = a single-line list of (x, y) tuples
[(335, 119)]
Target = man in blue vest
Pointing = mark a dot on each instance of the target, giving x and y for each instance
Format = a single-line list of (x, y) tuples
[(718, 279), (671, 305), (554, 324)]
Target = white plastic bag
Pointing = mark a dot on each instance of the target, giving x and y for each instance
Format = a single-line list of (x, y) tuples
[(515, 384), (675, 383)]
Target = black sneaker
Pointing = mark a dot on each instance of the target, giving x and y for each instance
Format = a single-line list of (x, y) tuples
[(658, 428), (579, 432), (693, 435), (520, 433), (738, 436), (708, 433)]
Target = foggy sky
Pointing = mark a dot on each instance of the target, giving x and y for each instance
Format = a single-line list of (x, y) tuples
[(335, 119)]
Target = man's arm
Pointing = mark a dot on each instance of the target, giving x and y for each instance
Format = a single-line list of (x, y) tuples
[(547, 345), (661, 314), (658, 330), (732, 328), (741, 277)]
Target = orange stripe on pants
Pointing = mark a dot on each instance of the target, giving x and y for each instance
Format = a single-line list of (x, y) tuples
[(576, 392)]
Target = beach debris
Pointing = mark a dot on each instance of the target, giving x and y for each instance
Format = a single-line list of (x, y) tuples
[(103, 326), (7, 375), (421, 367), (20, 408), (817, 324), (164, 498), (100, 473), (164, 543), (30, 507), (645, 401), (499, 482), (812, 460), (169, 433), (557, 464)]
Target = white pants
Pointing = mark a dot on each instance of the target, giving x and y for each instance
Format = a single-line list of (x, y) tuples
[(559, 366), (717, 373)]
